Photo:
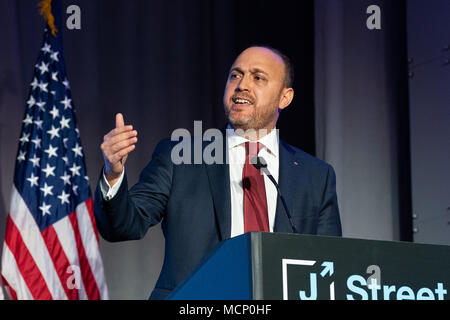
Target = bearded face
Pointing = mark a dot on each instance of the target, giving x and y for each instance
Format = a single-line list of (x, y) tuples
[(255, 93)]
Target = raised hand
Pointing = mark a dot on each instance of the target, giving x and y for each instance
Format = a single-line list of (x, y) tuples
[(116, 146)]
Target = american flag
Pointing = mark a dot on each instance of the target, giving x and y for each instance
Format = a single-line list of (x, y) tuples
[(51, 247)]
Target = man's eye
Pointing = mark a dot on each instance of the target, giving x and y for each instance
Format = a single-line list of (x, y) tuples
[(234, 76), (259, 78)]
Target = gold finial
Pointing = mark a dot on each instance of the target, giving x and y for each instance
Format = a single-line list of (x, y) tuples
[(45, 10)]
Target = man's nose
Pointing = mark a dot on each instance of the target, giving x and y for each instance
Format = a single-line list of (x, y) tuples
[(243, 84)]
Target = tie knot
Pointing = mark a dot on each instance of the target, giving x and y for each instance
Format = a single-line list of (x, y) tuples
[(252, 148)]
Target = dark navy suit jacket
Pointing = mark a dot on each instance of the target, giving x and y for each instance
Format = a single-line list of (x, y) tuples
[(192, 203)]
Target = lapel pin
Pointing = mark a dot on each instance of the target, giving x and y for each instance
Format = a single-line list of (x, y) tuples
[(295, 163)]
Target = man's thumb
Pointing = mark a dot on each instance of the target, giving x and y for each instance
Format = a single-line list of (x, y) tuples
[(119, 120)]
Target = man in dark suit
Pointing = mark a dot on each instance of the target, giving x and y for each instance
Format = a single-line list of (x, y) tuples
[(199, 205)]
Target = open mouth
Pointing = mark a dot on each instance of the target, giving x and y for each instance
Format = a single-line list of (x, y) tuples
[(241, 101)]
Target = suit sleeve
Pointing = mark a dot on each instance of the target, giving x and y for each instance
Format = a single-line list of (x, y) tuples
[(130, 213), (329, 218)]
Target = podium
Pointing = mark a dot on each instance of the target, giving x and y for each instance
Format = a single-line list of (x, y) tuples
[(280, 266)]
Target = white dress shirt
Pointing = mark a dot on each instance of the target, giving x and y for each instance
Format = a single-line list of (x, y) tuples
[(236, 158)]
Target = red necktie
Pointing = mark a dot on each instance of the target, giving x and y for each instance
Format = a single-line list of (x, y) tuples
[(255, 202)]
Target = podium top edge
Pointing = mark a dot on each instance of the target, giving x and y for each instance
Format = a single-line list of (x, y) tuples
[(283, 235)]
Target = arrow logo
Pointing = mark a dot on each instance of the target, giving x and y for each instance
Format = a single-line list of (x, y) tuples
[(328, 268)]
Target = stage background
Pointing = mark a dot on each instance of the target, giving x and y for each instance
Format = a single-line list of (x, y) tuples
[(429, 67), (164, 64)]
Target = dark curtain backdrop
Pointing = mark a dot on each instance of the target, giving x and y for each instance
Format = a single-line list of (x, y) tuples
[(163, 64), (362, 115)]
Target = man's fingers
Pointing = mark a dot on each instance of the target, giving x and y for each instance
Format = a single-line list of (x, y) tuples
[(119, 120), (116, 147), (110, 150), (117, 131), (121, 137), (122, 153)]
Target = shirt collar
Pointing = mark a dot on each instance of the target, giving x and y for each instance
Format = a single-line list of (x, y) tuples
[(269, 141)]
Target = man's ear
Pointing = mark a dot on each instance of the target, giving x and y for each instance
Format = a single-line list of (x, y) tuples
[(287, 95)]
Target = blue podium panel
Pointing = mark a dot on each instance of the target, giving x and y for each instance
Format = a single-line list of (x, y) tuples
[(225, 274)]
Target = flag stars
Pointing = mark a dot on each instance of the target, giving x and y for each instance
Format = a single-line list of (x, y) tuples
[(34, 84), (28, 120), (77, 150), (38, 122), (65, 178), (45, 208), (41, 105), (31, 102), (50, 158), (54, 112), (25, 138), (37, 142), (21, 156), (75, 189), (66, 83), (67, 103), (35, 161), (47, 190), (64, 197), (49, 170), (51, 151), (75, 170), (43, 86), (43, 67), (46, 48), (64, 123), (54, 56), (53, 132), (33, 180)]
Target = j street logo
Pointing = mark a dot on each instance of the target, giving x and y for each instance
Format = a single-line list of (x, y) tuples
[(326, 271), (313, 280)]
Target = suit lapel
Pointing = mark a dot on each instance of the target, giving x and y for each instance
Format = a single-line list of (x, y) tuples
[(287, 178), (219, 182)]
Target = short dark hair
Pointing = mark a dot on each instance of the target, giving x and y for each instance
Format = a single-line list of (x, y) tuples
[(288, 65)]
